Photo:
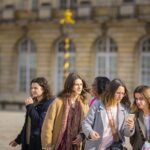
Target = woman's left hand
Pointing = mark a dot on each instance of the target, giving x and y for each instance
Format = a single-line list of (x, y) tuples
[(77, 140)]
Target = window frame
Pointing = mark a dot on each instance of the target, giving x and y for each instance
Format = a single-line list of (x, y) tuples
[(141, 55), (107, 55), (28, 67)]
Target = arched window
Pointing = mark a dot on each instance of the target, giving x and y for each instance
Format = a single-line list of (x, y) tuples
[(28, 4), (106, 58), (145, 61), (34, 4), (60, 61), (68, 3), (26, 64)]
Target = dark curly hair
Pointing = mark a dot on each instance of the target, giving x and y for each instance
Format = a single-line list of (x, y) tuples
[(47, 94)]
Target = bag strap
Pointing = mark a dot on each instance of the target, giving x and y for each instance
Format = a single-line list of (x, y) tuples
[(112, 124)]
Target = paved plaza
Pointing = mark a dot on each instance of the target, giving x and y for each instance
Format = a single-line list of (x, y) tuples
[(10, 125)]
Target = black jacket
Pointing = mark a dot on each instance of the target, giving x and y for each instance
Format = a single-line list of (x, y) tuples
[(37, 114)]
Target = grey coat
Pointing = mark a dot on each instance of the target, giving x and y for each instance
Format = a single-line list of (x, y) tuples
[(96, 121), (137, 140)]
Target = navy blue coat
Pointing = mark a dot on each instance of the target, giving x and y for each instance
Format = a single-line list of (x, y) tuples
[(37, 114)]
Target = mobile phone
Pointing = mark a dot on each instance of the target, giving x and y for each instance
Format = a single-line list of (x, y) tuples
[(131, 116)]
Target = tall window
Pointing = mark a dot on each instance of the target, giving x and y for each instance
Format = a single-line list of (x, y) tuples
[(106, 58), (60, 62), (68, 3), (26, 64), (28, 4), (145, 61), (34, 4)]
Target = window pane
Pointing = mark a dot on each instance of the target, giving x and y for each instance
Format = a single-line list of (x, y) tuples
[(21, 5), (73, 4), (34, 4), (23, 77), (101, 46), (22, 59), (101, 66), (106, 58), (146, 46), (145, 62), (26, 64), (113, 66), (32, 59), (32, 73), (113, 46), (65, 4)]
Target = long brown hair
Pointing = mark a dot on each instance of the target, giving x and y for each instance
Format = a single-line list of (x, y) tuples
[(109, 94), (68, 86), (145, 91)]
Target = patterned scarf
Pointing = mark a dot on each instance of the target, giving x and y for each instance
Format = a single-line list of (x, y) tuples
[(70, 127)]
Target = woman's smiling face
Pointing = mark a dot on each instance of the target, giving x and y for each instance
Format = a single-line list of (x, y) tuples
[(77, 87)]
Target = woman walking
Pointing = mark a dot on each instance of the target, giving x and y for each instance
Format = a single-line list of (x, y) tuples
[(141, 108), (62, 126), (36, 108), (105, 125)]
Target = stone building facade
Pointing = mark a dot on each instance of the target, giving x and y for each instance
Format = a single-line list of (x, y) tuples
[(109, 38)]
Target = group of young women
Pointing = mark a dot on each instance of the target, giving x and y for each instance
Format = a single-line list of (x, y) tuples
[(69, 122)]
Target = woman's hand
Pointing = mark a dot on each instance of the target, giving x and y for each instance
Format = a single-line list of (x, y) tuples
[(130, 123), (28, 101), (94, 135), (77, 140), (13, 143)]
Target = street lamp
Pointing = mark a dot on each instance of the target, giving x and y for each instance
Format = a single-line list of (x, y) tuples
[(66, 23)]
